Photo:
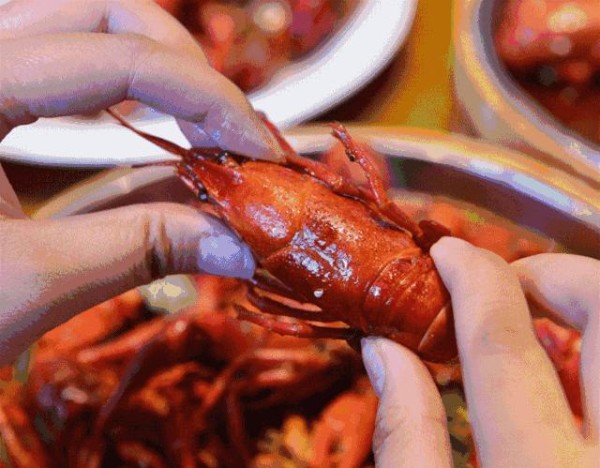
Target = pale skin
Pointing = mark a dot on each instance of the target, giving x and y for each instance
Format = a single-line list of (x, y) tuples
[(518, 411), (51, 270)]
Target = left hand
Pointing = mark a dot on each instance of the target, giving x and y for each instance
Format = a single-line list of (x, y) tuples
[(70, 56)]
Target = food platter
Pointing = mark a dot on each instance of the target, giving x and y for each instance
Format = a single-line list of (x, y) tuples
[(340, 67)]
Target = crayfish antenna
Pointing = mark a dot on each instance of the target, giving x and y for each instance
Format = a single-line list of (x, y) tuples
[(285, 146), (167, 145)]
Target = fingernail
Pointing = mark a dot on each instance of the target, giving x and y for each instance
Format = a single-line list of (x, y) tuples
[(451, 243), (246, 135), (275, 148), (374, 364), (195, 134), (223, 255), (259, 143)]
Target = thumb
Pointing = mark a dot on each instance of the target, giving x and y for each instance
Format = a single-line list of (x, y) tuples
[(410, 429), (53, 269)]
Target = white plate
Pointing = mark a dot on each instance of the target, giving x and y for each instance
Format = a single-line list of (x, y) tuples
[(345, 63)]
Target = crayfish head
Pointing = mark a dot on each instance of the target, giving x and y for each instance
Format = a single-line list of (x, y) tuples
[(258, 200)]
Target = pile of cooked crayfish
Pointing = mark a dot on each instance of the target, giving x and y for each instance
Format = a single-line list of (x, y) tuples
[(250, 40), (119, 386), (338, 259)]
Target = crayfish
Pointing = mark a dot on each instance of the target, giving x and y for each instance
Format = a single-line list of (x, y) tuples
[(348, 252)]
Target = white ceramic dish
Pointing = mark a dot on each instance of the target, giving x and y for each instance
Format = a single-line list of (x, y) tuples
[(339, 68), (502, 181), (495, 106)]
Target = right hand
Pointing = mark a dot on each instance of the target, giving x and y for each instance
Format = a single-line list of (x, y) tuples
[(518, 411)]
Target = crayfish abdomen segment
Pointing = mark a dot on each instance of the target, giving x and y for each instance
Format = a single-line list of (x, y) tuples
[(407, 303), (335, 253), (407, 285)]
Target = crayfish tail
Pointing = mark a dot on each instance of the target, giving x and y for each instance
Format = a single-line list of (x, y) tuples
[(439, 342)]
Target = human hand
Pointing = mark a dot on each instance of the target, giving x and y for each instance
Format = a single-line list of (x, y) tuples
[(55, 61), (518, 411)]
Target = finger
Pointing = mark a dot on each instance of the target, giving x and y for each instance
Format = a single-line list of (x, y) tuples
[(52, 269), (144, 17), (565, 286), (411, 425), (84, 72), (514, 395), (9, 203), (21, 18), (568, 286)]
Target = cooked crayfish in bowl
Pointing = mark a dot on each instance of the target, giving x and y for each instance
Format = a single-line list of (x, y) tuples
[(248, 40), (527, 76), (265, 372)]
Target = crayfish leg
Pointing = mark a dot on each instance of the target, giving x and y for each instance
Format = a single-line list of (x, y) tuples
[(235, 423), (19, 436), (356, 153), (160, 142), (298, 329), (122, 348), (265, 282), (377, 185), (335, 182), (277, 308)]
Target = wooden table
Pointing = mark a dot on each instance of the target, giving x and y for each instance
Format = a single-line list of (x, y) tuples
[(414, 90)]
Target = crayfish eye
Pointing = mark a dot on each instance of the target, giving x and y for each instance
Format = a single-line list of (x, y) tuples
[(350, 155), (203, 196)]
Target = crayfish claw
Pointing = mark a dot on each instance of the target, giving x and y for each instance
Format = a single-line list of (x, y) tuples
[(432, 231)]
